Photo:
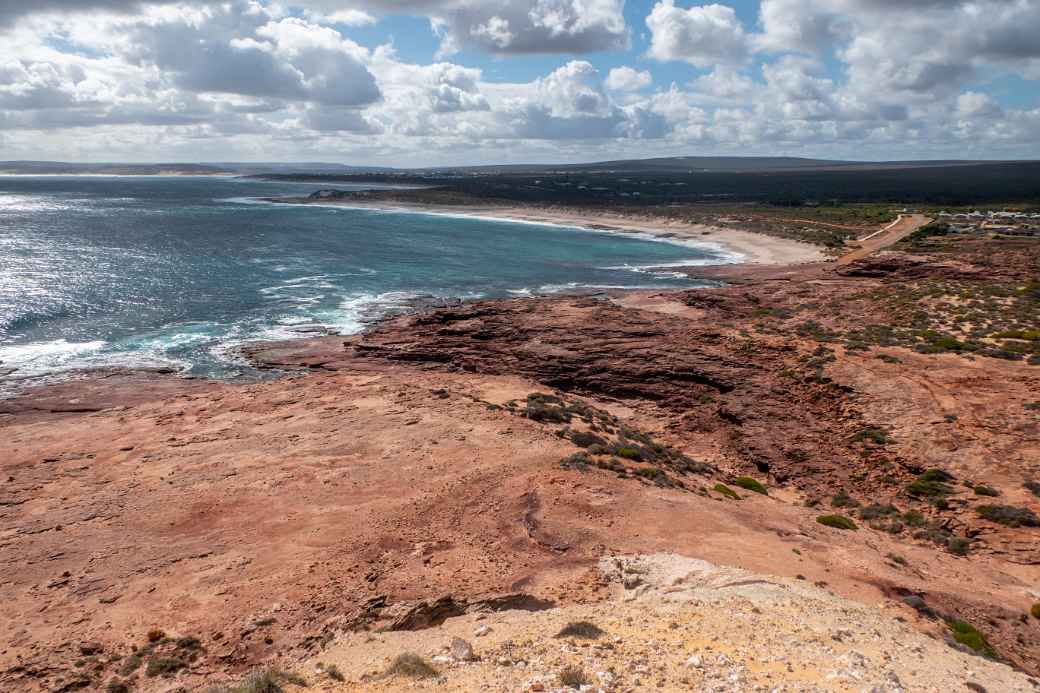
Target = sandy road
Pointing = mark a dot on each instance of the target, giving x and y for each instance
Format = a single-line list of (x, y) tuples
[(903, 226)]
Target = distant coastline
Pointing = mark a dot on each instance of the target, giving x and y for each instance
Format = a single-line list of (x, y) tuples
[(747, 247)]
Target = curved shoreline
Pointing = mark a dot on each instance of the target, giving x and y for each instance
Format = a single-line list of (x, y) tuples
[(751, 248)]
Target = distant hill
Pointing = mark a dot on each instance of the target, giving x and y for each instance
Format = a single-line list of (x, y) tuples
[(704, 164), (40, 168), (55, 168)]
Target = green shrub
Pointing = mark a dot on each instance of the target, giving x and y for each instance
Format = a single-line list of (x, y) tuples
[(877, 511), (836, 521), (897, 559), (578, 460), (932, 484), (914, 518), (164, 666), (958, 546), (1033, 487), (749, 484), (586, 439), (1009, 515), (268, 680), (1025, 335), (871, 434), (546, 408), (411, 665), (966, 634), (983, 490), (726, 491), (580, 629), (628, 453), (1035, 610)]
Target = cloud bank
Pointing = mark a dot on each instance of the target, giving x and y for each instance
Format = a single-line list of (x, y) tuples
[(258, 79)]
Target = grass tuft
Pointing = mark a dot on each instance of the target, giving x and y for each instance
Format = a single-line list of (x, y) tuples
[(574, 677), (268, 680), (726, 491)]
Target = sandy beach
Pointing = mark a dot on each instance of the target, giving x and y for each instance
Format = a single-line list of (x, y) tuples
[(754, 248)]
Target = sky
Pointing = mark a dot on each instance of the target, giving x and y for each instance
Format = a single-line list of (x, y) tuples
[(452, 82)]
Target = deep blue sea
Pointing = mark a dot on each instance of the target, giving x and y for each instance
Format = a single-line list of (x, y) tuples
[(139, 271)]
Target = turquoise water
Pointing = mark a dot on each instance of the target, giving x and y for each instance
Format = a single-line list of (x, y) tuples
[(176, 272)]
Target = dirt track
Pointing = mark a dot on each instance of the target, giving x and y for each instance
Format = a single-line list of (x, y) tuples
[(895, 232)]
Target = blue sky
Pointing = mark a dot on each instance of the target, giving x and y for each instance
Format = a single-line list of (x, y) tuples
[(482, 81)]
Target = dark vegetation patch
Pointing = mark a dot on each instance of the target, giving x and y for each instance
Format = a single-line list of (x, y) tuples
[(1009, 515), (584, 630), (614, 446), (873, 435), (842, 499), (983, 490), (932, 484), (162, 656)]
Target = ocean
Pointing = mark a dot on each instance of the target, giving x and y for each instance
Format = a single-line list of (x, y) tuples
[(102, 272)]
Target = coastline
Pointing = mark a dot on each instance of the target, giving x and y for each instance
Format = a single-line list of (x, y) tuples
[(430, 464), (752, 248)]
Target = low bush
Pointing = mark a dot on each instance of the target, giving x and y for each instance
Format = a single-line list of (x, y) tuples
[(629, 453), (586, 439), (842, 499), (749, 484), (914, 518), (164, 666), (877, 511), (580, 629), (578, 460), (1009, 515), (546, 408), (411, 665), (966, 634), (836, 521), (872, 435), (958, 546), (931, 484), (983, 490)]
